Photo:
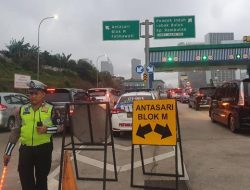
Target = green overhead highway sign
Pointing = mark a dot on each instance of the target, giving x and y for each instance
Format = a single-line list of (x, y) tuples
[(121, 30), (174, 27), (200, 57)]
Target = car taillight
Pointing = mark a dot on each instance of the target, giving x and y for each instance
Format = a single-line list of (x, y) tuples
[(51, 90), (3, 107), (71, 109), (200, 94), (241, 95), (116, 111)]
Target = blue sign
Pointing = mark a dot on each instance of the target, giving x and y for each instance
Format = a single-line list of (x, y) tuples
[(150, 68), (139, 69)]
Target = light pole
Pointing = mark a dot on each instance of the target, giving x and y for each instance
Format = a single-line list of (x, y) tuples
[(97, 67), (55, 17)]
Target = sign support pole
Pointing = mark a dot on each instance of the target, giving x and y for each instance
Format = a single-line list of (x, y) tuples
[(147, 36)]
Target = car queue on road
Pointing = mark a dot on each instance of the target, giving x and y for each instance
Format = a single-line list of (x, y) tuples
[(228, 104)]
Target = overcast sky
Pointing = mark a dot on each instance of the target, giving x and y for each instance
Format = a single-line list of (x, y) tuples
[(78, 31)]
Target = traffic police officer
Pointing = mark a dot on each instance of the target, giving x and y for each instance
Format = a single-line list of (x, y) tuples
[(35, 124)]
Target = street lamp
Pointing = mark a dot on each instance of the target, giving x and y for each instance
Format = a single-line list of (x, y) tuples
[(97, 67), (55, 17)]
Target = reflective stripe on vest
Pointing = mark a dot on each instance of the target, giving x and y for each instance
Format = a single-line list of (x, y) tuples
[(29, 135)]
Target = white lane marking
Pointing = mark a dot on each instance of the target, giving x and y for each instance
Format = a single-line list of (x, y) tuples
[(186, 177), (53, 183), (126, 167), (147, 161), (94, 162), (127, 148), (54, 173)]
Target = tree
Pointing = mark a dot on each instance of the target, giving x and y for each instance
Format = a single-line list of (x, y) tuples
[(18, 49), (105, 79), (86, 70), (64, 60)]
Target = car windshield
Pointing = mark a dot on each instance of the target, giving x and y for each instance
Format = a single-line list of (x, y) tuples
[(207, 91), (58, 95), (81, 96), (130, 99), (97, 92), (13, 100)]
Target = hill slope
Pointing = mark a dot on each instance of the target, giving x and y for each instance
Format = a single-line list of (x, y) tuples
[(49, 77)]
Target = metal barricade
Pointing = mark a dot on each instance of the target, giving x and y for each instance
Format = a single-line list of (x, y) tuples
[(90, 124)]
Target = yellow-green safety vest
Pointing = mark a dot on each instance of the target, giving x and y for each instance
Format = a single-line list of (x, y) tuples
[(29, 135)]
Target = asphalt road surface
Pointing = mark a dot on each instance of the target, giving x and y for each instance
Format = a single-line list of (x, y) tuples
[(214, 159)]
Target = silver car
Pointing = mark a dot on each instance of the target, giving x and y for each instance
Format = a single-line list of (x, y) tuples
[(10, 104)]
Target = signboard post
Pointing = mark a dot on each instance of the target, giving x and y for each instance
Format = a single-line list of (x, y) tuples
[(121, 30), (174, 27)]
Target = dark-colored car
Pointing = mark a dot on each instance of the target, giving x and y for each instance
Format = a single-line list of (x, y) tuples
[(59, 97), (201, 97), (231, 104)]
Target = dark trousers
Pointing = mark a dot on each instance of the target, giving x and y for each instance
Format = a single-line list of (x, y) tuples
[(34, 166)]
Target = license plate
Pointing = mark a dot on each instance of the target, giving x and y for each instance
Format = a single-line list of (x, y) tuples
[(129, 114)]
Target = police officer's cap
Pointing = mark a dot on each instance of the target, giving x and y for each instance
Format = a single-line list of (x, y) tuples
[(36, 85)]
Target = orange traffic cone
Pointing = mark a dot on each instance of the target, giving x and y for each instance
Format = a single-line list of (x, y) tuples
[(68, 180)]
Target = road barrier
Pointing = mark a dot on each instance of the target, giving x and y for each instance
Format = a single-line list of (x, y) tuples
[(90, 130), (156, 122), (68, 177)]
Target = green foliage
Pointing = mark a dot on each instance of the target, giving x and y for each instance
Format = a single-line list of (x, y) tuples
[(86, 71), (106, 79), (21, 58)]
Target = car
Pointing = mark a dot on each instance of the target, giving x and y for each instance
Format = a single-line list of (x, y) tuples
[(110, 95), (121, 114), (230, 105), (184, 97), (59, 97), (201, 97), (175, 93), (10, 104)]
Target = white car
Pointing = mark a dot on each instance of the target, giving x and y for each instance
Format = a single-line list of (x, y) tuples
[(104, 95), (10, 104), (121, 114)]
